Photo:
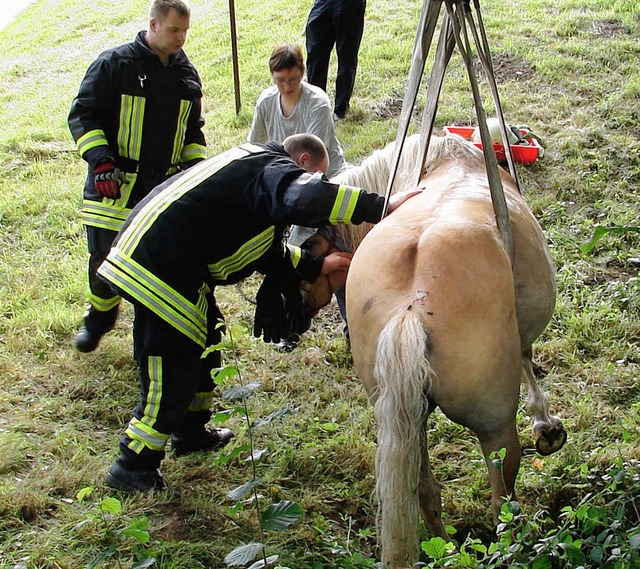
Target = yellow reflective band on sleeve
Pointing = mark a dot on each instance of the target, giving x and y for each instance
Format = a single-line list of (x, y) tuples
[(90, 140), (193, 152), (103, 304), (105, 214), (157, 296), (155, 207), (130, 126), (249, 252), (201, 402), (296, 254), (181, 129), (344, 205)]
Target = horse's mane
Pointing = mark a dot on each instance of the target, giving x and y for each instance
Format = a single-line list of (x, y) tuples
[(373, 173)]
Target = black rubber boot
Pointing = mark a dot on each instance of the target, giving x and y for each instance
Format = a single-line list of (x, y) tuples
[(132, 481), (95, 325), (207, 439)]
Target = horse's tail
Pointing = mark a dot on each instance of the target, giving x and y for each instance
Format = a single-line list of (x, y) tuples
[(403, 378)]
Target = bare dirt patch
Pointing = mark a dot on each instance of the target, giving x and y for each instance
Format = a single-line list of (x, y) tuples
[(507, 68), (609, 28)]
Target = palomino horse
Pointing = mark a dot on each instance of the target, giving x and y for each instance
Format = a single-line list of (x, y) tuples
[(438, 317)]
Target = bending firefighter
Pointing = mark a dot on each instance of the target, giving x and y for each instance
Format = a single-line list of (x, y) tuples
[(136, 121), (212, 225)]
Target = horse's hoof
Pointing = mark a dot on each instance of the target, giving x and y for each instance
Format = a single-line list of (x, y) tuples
[(550, 436)]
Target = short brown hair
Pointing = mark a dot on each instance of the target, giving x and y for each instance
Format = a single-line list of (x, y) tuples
[(286, 56), (306, 142), (160, 8)]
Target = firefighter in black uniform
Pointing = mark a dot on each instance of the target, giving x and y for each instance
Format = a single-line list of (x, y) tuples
[(216, 224), (136, 120)]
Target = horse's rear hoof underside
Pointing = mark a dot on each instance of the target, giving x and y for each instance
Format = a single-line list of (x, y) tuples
[(550, 436)]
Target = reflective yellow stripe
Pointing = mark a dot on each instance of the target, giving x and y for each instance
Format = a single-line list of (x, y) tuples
[(192, 152), (247, 253), (142, 436), (202, 306), (141, 431), (344, 205), (163, 200), (103, 304), (125, 190), (181, 129), (105, 214), (157, 296), (130, 126), (90, 140), (154, 394), (201, 402), (295, 254)]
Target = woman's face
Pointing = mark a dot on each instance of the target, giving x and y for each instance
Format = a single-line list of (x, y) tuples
[(288, 80)]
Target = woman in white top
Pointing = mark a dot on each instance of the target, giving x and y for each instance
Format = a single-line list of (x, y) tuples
[(293, 106)]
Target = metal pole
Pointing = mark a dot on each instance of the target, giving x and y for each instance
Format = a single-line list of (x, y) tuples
[(422, 43), (484, 54), (444, 50), (498, 198), (234, 54)]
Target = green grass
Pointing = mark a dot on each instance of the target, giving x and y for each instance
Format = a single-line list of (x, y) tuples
[(567, 69)]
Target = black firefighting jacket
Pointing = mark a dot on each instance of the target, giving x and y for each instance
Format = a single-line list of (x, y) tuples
[(219, 222), (142, 115)]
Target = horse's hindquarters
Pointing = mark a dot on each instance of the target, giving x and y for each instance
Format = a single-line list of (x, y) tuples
[(457, 278)]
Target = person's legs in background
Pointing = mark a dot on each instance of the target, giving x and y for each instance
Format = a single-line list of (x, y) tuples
[(321, 37), (350, 27), (342, 307), (102, 313)]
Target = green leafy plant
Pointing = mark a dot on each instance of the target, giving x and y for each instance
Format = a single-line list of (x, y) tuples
[(275, 517), (121, 534), (601, 231), (601, 531)]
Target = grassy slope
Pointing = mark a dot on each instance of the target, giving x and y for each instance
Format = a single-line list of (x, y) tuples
[(568, 69)]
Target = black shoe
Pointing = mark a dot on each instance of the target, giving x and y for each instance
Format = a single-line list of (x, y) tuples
[(131, 481), (208, 439), (86, 341), (95, 324)]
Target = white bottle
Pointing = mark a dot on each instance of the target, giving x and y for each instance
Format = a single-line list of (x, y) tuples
[(494, 131)]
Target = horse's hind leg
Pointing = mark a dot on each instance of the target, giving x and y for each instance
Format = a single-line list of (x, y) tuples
[(547, 429), (429, 494), (502, 473)]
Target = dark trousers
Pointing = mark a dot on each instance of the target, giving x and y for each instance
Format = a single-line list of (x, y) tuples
[(103, 301), (339, 23), (176, 388)]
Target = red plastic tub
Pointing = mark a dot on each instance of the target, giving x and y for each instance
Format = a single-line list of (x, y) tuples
[(524, 153)]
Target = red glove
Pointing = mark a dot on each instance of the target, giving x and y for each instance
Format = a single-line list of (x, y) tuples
[(108, 180)]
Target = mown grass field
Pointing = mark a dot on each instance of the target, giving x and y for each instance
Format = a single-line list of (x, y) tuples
[(568, 69)]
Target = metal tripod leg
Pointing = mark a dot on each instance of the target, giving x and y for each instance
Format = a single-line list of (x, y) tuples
[(454, 30), (493, 174), (484, 54), (424, 36), (444, 50)]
